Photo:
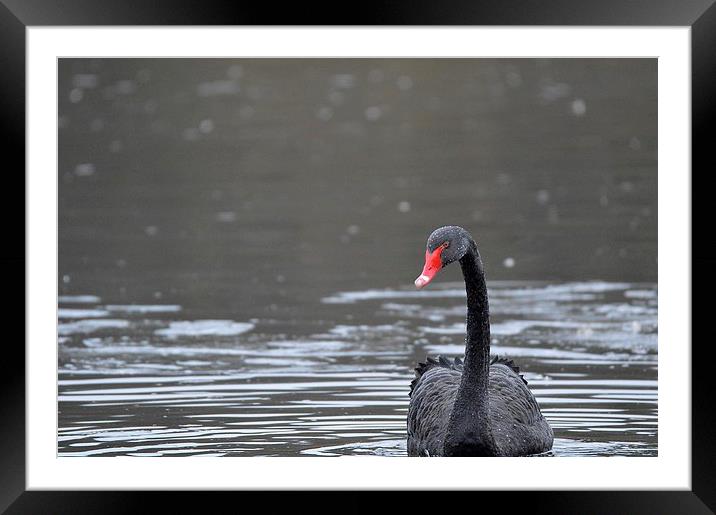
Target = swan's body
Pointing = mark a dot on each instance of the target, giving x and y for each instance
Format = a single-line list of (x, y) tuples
[(517, 425), (481, 407)]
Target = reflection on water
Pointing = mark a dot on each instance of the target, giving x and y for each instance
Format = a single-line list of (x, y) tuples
[(234, 236), (168, 386)]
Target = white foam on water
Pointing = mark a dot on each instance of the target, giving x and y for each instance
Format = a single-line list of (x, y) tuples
[(514, 327), (511, 352), (615, 310), (576, 447), (567, 292), (79, 299), (194, 363), (585, 290), (291, 362), (89, 326), (143, 308), (81, 313), (367, 331), (311, 346), (350, 297), (204, 328), (417, 311), (396, 447), (157, 366), (317, 350), (641, 294), (203, 388), (458, 328)]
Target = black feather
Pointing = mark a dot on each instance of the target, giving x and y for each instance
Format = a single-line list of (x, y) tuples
[(457, 364), (510, 363), (431, 362)]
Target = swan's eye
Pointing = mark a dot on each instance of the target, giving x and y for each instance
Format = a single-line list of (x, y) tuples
[(445, 244)]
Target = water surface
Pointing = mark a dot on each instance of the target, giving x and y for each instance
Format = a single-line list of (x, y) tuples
[(167, 385)]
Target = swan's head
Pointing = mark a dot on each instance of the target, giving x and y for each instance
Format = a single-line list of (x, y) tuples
[(445, 245)]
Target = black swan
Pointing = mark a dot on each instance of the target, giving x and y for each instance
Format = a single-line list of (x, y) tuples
[(481, 407)]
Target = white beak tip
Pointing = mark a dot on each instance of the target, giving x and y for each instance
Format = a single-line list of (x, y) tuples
[(422, 281)]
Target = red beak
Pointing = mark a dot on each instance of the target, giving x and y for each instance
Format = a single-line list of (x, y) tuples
[(433, 264)]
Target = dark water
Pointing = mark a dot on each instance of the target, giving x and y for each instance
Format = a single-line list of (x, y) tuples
[(238, 241)]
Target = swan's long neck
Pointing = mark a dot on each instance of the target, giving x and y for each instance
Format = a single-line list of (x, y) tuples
[(469, 429)]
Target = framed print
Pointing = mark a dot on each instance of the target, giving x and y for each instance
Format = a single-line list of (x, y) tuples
[(227, 212)]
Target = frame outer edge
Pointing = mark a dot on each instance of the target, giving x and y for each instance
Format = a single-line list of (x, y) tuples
[(12, 100), (12, 259), (703, 119), (380, 12)]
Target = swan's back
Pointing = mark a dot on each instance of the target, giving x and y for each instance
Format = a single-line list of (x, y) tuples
[(517, 424)]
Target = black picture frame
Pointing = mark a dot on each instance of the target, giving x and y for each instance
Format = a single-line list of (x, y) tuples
[(17, 15)]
